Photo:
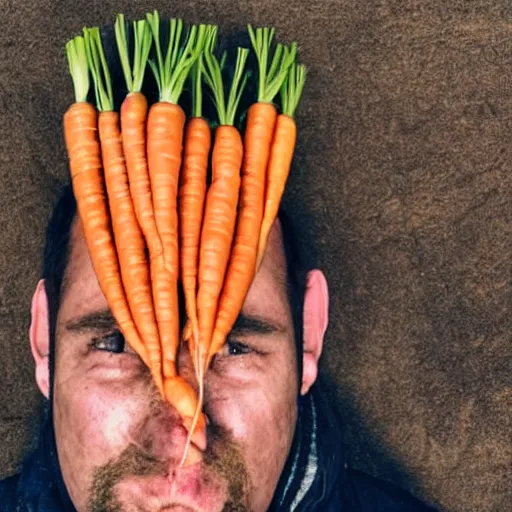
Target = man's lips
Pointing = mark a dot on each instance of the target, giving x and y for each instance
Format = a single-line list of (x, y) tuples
[(193, 488)]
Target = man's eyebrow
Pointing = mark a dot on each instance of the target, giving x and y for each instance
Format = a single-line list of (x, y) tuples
[(103, 320), (95, 321), (247, 324)]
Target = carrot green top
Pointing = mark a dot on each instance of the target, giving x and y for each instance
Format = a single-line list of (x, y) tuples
[(292, 88), (270, 79), (196, 74), (197, 92), (78, 67), (213, 77), (133, 73), (99, 69), (171, 73), (187, 52)]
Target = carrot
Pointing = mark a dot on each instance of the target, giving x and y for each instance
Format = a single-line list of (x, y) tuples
[(281, 154), (164, 146), (259, 131), (186, 403), (192, 198), (134, 110), (129, 240), (192, 195), (221, 200), (220, 210), (81, 137)]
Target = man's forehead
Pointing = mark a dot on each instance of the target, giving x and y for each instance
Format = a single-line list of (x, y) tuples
[(79, 269), (274, 260), (79, 276)]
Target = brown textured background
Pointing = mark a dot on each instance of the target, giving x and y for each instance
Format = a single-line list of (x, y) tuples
[(407, 120)]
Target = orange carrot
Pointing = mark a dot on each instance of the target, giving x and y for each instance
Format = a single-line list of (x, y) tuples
[(129, 240), (279, 165), (164, 147), (218, 228), (142, 185), (220, 210), (133, 125), (221, 200), (186, 403), (259, 131), (242, 265), (281, 154), (164, 142), (134, 110), (192, 198), (81, 137)]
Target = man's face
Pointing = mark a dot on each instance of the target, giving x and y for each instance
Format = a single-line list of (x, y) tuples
[(119, 444)]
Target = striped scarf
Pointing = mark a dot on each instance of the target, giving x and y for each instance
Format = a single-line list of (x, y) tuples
[(311, 480)]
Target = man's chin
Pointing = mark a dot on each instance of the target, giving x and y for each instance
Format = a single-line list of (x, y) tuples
[(187, 490)]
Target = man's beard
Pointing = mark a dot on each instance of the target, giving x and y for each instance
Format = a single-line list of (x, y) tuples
[(222, 458)]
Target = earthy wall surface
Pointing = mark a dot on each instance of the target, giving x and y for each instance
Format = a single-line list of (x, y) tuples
[(406, 128)]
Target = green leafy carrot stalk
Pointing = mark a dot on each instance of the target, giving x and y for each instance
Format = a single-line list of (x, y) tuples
[(196, 74), (197, 88), (213, 77), (133, 69), (281, 153), (292, 89), (99, 70), (271, 75), (172, 71), (78, 67)]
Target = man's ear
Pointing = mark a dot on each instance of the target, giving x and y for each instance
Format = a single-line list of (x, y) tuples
[(316, 318), (40, 337)]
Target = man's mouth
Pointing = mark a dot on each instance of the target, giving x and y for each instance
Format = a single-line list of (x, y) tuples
[(192, 488), (135, 481)]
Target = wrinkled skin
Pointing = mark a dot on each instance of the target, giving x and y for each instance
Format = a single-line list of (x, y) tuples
[(106, 408)]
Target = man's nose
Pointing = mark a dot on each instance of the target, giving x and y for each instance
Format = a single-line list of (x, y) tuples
[(184, 399), (164, 435)]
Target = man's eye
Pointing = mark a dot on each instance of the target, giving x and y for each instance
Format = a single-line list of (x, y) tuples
[(112, 342), (235, 348), (230, 354)]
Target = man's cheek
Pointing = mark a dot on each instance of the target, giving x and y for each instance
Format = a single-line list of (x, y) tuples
[(96, 419), (255, 417), (262, 422)]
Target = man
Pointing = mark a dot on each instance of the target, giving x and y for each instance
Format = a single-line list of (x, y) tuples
[(109, 443)]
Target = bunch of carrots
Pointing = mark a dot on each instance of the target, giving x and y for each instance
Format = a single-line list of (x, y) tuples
[(152, 219)]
